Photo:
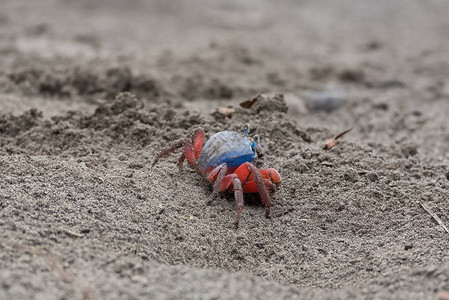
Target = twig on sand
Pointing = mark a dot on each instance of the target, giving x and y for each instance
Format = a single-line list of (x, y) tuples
[(426, 208), (71, 233), (248, 103), (332, 141)]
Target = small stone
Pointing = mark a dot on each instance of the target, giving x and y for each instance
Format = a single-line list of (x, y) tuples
[(351, 75), (381, 106), (323, 102)]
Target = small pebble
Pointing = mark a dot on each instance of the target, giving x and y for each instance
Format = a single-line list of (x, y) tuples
[(323, 103)]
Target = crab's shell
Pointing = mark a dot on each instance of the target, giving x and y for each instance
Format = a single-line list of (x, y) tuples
[(230, 147)]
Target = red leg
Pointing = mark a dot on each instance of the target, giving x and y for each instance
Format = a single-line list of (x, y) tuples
[(216, 175), (220, 176), (223, 182), (238, 196), (238, 191), (198, 141), (212, 175), (192, 148), (177, 144), (181, 161), (261, 188), (188, 152)]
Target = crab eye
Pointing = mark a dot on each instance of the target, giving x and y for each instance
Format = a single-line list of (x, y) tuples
[(256, 145), (246, 129), (257, 139)]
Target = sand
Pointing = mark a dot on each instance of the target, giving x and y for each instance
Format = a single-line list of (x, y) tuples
[(91, 91)]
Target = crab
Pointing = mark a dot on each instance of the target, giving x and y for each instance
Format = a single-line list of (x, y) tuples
[(226, 160)]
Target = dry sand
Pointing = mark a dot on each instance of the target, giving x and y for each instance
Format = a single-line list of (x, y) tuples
[(90, 91)]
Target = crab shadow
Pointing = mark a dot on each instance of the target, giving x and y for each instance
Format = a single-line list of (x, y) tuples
[(250, 199)]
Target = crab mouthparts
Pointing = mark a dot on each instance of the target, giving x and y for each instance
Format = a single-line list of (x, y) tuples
[(277, 186)]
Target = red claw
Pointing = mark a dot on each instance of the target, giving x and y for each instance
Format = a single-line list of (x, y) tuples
[(270, 177)]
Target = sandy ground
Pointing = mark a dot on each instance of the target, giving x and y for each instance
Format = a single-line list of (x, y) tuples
[(90, 91)]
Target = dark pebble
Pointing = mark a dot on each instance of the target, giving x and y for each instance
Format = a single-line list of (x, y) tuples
[(323, 103)]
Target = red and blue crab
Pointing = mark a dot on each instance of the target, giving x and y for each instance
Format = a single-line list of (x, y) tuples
[(227, 160)]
